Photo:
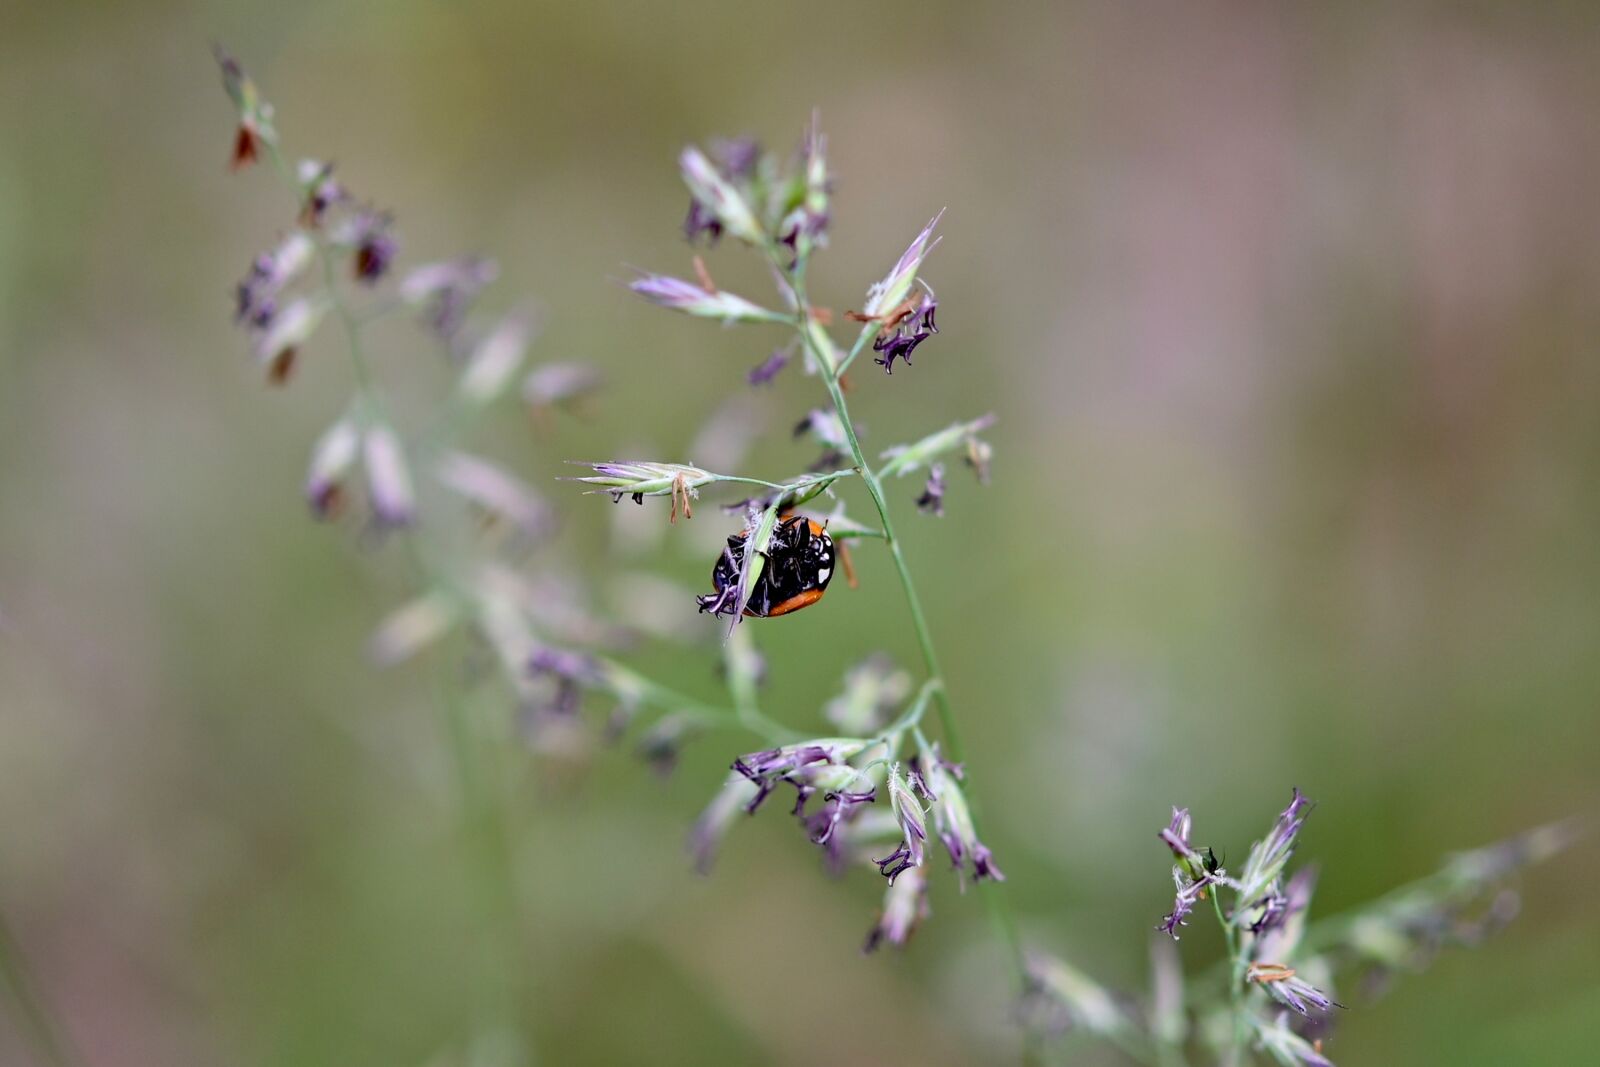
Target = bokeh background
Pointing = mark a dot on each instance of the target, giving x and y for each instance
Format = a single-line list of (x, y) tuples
[(1289, 315)]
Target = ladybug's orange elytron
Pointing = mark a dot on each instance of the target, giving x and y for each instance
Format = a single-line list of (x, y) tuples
[(800, 563)]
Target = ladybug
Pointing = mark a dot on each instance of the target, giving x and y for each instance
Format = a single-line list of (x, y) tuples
[(799, 565)]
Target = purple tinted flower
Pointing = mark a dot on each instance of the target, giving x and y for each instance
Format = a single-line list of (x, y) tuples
[(388, 480), (837, 806), (494, 359), (771, 761), (253, 301), (571, 671), (277, 345), (736, 161), (1264, 866), (811, 768), (1279, 938), (668, 291), (375, 248), (905, 903), (718, 202), (255, 310), (916, 326), (763, 372), (1189, 894), (805, 227), (234, 79), (320, 191), (842, 807), (737, 157), (983, 865), (937, 779), (771, 766), (902, 859), (1294, 993), (694, 299), (1195, 870), (563, 663), (1193, 861), (827, 428), (1270, 913), (256, 303), (556, 384), (1176, 835), (662, 744), (900, 345), (331, 458), (932, 498), (802, 228), (498, 493), (700, 221), (913, 829), (718, 817), (889, 294), (446, 290)]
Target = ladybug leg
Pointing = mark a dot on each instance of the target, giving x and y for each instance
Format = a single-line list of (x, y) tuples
[(717, 603)]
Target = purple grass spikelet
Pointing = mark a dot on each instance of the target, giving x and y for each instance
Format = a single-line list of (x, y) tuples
[(388, 478), (764, 372), (1284, 986), (444, 291), (722, 205), (676, 294), (952, 820), (705, 839), (908, 813), (320, 191), (1263, 868), (886, 295), (375, 247), (905, 905), (331, 459)]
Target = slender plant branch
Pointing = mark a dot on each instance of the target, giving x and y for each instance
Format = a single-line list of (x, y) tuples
[(1235, 978), (998, 907)]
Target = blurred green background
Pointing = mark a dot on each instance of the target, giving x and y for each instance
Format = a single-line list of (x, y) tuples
[(1288, 313)]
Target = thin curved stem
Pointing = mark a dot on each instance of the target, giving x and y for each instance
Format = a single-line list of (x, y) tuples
[(1235, 979), (999, 910), (790, 487)]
